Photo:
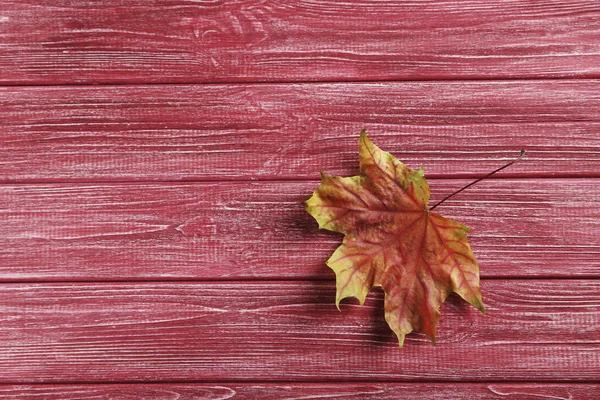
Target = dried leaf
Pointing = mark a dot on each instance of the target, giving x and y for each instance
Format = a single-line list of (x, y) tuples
[(392, 240)]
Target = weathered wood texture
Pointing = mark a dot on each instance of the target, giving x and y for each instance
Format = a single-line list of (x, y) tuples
[(298, 391), (292, 131), (246, 230), (290, 331), (50, 42), (91, 190)]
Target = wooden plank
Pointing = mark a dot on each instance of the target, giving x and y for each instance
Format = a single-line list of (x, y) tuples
[(135, 41), (217, 132), (299, 391), (262, 331), (243, 230)]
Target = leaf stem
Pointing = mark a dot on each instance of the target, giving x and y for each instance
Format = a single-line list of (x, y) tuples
[(480, 179)]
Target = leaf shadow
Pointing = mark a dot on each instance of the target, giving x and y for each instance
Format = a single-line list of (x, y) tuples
[(316, 244), (456, 321), (380, 333)]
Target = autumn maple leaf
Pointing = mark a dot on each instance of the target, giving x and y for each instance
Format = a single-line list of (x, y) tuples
[(392, 240)]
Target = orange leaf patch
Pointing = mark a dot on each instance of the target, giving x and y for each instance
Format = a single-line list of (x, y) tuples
[(392, 240)]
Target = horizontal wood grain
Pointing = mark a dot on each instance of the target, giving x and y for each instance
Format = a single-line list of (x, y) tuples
[(135, 41), (245, 230), (153, 242), (261, 331), (221, 132), (299, 391)]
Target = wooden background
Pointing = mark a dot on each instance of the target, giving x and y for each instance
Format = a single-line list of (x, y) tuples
[(154, 157)]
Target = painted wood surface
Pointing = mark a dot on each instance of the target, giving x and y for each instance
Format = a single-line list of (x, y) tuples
[(135, 41), (218, 132), (299, 391), (290, 331), (259, 230), (153, 241)]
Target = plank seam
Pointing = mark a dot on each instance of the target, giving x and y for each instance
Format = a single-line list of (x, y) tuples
[(109, 181), (270, 280), (316, 81)]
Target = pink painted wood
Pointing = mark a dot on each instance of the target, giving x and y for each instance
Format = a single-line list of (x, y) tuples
[(290, 331), (137, 41), (259, 230), (119, 279), (225, 132), (300, 391)]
